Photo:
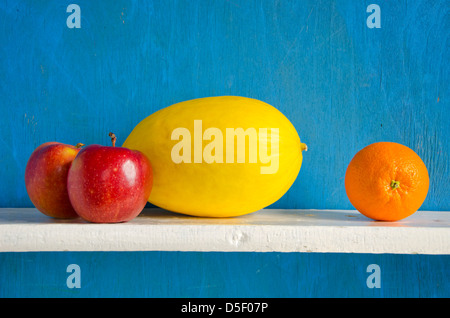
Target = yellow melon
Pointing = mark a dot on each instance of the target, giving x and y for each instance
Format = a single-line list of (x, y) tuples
[(218, 156)]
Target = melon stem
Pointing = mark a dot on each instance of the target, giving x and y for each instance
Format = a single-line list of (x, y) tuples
[(303, 147)]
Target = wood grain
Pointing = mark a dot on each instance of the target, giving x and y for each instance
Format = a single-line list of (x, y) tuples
[(305, 231)]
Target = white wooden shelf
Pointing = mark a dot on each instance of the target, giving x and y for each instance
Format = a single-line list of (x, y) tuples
[(325, 231)]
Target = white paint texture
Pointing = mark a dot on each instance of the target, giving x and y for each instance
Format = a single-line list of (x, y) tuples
[(333, 231)]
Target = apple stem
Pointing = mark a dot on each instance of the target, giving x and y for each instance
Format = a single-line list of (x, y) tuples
[(79, 145), (113, 139)]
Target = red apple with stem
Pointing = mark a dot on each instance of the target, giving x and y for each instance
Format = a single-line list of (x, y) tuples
[(109, 184), (46, 178)]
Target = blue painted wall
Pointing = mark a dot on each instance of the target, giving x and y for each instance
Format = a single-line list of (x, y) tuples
[(341, 84), (216, 274)]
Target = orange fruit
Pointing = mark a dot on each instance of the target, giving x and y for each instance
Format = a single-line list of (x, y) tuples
[(386, 181)]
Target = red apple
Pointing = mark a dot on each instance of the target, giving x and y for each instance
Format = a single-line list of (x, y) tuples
[(109, 184), (46, 178)]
